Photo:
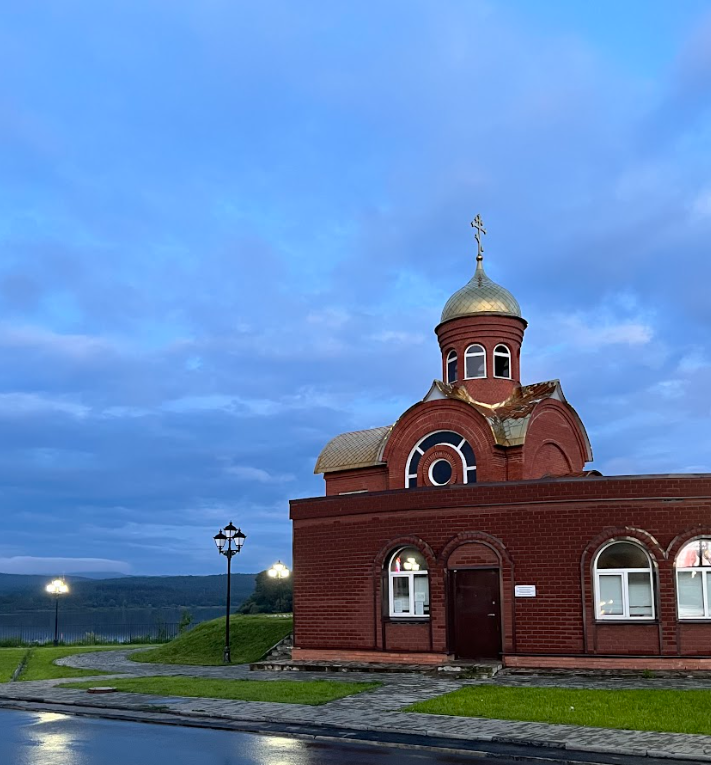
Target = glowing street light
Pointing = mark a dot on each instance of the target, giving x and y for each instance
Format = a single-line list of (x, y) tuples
[(278, 571), (57, 587), (229, 542)]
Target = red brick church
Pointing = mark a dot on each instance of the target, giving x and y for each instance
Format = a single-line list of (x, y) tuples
[(470, 529)]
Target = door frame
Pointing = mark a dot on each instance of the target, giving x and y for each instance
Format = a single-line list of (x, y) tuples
[(450, 604)]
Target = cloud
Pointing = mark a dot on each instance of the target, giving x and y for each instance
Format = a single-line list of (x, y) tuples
[(701, 205), (23, 404), (246, 473), (399, 337), (27, 564), (76, 346), (594, 335)]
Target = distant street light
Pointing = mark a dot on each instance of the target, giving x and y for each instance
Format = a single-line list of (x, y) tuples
[(229, 543), (278, 571), (57, 587)]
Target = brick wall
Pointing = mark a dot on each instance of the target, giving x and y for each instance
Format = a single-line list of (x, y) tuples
[(362, 479), (544, 533)]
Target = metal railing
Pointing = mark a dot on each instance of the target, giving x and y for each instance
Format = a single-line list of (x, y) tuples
[(93, 634)]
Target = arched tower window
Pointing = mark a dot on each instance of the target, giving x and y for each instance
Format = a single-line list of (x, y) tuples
[(409, 587), (623, 582), (451, 366), (693, 580), (441, 471), (502, 362), (475, 362)]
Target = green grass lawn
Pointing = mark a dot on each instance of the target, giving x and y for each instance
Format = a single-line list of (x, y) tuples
[(10, 659), (657, 710), (250, 638), (40, 667), (312, 692)]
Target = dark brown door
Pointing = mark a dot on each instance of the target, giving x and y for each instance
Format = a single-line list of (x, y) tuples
[(476, 614)]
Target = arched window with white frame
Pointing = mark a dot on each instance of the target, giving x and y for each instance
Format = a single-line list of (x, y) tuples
[(408, 584), (623, 582), (451, 366), (693, 580), (475, 362), (502, 361), (441, 471)]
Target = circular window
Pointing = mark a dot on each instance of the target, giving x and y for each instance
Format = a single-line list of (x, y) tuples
[(440, 472)]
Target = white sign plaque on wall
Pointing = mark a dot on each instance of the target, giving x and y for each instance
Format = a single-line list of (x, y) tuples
[(525, 590)]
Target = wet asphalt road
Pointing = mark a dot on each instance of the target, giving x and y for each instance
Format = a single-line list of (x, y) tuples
[(51, 738), (47, 738)]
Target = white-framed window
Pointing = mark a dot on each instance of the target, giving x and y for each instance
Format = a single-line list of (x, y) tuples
[(475, 362), (693, 586), (408, 584), (437, 476), (502, 361), (623, 582), (451, 366)]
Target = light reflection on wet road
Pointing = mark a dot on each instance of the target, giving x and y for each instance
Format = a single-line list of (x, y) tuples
[(46, 738)]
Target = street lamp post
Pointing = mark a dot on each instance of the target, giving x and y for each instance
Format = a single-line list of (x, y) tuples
[(229, 542), (57, 587)]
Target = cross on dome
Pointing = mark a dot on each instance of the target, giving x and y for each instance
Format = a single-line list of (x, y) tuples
[(480, 294), (478, 224)]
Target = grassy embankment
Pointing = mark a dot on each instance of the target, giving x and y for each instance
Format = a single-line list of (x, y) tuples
[(10, 659), (312, 692), (40, 667), (653, 710), (250, 638), (39, 662)]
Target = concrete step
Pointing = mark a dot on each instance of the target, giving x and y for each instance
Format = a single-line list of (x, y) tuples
[(455, 669)]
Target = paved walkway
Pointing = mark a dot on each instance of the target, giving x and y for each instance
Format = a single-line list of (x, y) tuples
[(374, 711)]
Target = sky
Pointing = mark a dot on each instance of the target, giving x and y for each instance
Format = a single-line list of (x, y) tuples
[(228, 229)]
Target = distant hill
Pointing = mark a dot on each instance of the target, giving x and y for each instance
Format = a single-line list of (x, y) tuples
[(25, 592), (96, 575)]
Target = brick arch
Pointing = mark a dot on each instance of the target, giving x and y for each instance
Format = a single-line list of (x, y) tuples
[(428, 417), (482, 537), (620, 533), (684, 537), (550, 459), (408, 541)]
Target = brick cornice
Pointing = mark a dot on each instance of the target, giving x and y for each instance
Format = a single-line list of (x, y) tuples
[(593, 490)]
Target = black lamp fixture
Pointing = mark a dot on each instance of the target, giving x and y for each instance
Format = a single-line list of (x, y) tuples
[(229, 542)]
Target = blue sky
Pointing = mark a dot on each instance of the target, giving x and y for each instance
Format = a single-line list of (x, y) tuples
[(228, 230)]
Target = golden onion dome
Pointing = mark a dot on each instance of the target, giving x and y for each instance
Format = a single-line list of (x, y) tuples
[(481, 295)]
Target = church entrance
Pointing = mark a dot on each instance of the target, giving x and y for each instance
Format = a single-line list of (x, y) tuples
[(475, 614)]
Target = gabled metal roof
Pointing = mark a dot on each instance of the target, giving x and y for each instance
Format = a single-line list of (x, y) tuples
[(360, 448)]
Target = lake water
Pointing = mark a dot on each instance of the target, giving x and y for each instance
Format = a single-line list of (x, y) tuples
[(120, 624)]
